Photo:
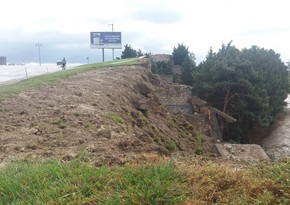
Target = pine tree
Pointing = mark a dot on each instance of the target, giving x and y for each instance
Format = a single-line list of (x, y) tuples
[(187, 69), (179, 54), (250, 85), (128, 52)]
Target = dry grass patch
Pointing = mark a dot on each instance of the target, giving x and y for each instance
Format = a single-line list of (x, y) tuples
[(223, 184)]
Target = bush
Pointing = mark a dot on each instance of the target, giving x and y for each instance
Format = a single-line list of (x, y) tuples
[(162, 67), (179, 54)]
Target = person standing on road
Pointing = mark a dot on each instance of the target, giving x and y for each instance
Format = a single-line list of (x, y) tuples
[(63, 63)]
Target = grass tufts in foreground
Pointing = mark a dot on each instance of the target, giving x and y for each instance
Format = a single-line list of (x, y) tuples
[(223, 184), (77, 183), (159, 183)]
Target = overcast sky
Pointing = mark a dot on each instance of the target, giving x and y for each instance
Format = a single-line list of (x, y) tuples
[(63, 27)]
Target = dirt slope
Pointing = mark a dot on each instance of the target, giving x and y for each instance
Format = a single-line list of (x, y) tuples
[(93, 115)]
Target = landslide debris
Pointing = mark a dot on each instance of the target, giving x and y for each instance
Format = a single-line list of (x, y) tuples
[(105, 116)]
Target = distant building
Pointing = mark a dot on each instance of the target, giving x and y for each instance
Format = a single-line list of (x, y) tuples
[(3, 60), (162, 57)]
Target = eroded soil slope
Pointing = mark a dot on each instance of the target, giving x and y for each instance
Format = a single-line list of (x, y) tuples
[(96, 115)]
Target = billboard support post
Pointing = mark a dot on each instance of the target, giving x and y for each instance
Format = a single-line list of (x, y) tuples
[(39, 57), (103, 54), (112, 48)]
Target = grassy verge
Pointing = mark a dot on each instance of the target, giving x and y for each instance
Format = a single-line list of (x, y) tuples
[(163, 183), (38, 81), (220, 184), (77, 183)]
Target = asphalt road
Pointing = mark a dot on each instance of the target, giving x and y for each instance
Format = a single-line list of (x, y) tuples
[(13, 73)]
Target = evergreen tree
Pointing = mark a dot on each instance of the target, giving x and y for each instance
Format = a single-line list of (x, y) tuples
[(272, 74), (179, 54), (139, 53), (187, 69), (128, 52), (161, 67), (249, 85)]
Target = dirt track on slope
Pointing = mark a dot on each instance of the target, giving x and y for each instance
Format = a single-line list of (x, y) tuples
[(92, 116)]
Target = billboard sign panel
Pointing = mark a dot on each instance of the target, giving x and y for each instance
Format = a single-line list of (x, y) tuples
[(106, 40)]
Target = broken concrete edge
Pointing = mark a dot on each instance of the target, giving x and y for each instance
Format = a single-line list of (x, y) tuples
[(243, 152), (219, 150)]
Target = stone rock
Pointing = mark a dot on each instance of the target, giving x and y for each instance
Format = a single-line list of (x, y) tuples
[(251, 153)]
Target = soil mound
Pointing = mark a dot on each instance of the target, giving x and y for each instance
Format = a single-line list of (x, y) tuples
[(105, 116)]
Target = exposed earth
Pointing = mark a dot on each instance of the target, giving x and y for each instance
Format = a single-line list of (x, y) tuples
[(97, 116)]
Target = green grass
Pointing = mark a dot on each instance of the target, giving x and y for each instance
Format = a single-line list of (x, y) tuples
[(115, 117), (77, 183), (59, 122), (159, 183), (171, 145), (89, 125), (38, 81)]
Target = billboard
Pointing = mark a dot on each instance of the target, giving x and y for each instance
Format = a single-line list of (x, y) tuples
[(3, 60), (106, 40)]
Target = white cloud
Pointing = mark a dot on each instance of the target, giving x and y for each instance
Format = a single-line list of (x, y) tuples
[(152, 25)]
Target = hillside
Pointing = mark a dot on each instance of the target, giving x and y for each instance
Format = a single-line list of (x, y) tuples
[(112, 116), (96, 113)]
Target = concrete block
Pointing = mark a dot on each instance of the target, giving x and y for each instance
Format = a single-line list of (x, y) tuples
[(251, 153)]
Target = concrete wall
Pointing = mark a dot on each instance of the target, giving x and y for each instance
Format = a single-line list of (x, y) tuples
[(161, 57), (200, 122), (176, 98)]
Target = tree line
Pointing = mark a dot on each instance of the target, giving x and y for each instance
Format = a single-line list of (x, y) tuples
[(250, 84)]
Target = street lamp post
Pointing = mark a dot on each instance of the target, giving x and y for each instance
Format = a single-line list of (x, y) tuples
[(39, 57), (112, 31)]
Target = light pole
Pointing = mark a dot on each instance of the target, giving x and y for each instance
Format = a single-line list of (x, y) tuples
[(39, 57), (112, 31)]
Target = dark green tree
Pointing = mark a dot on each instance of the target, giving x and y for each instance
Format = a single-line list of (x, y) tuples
[(187, 69), (288, 69), (128, 52), (162, 67), (272, 74), (250, 85), (179, 54), (139, 53)]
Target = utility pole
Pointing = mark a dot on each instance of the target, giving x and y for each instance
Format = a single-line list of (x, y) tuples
[(112, 31), (39, 57)]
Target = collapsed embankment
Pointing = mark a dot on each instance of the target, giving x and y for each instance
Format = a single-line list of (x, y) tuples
[(111, 115)]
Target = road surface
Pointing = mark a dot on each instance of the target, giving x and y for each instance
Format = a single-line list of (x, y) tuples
[(277, 144), (13, 73)]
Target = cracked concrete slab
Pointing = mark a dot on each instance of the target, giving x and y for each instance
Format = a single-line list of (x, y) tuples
[(251, 153)]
